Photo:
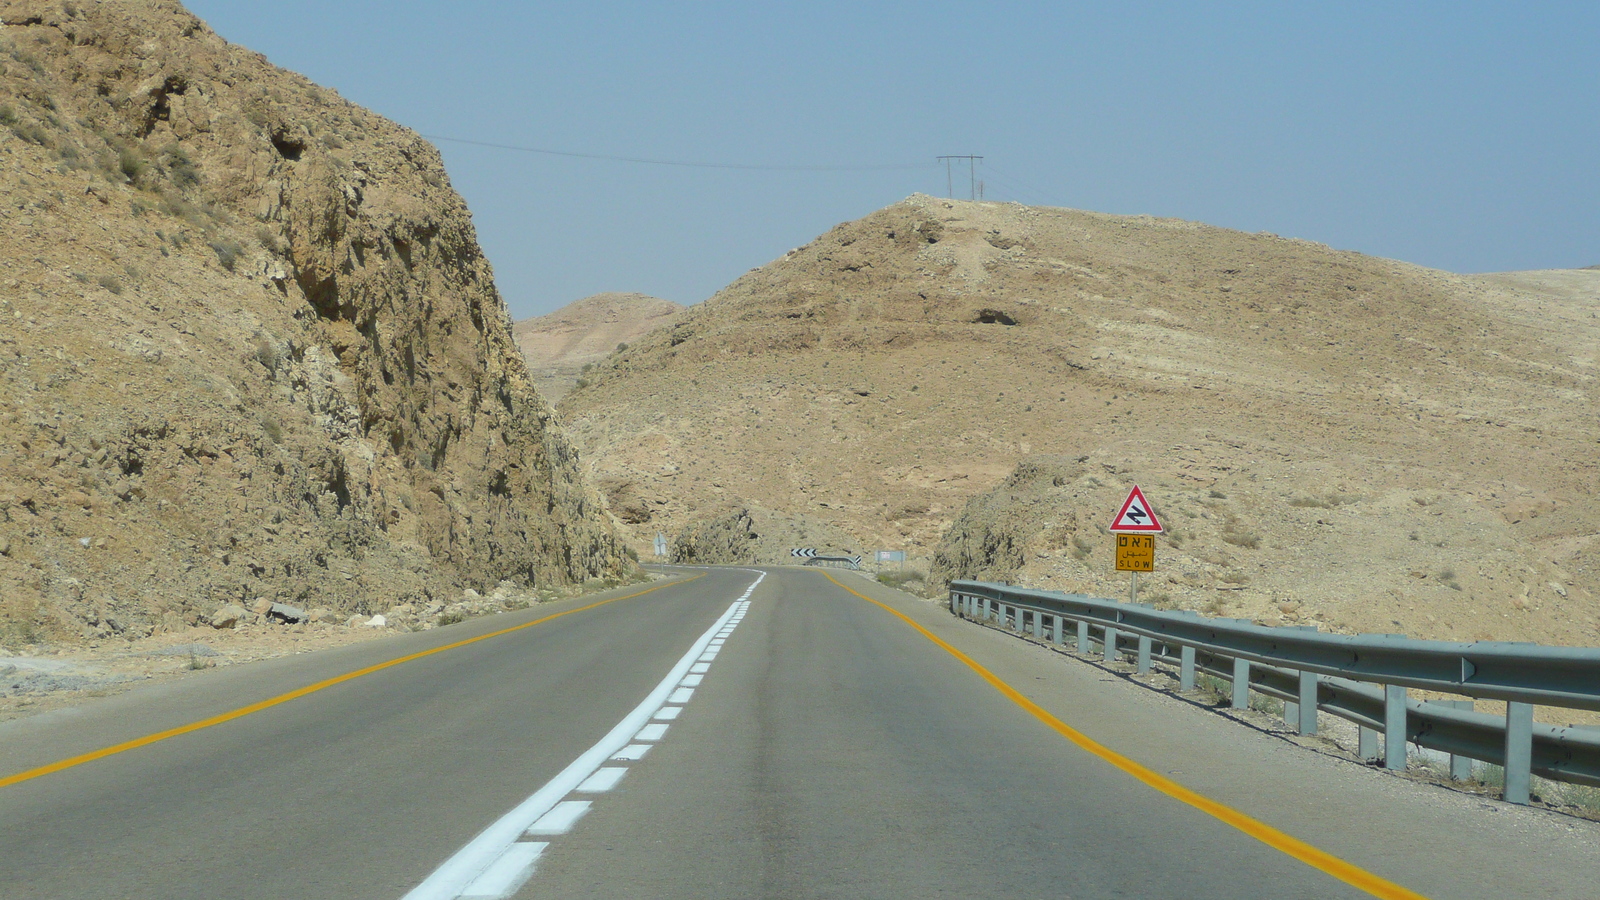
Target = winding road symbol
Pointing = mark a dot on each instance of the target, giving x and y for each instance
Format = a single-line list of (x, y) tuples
[(1136, 515)]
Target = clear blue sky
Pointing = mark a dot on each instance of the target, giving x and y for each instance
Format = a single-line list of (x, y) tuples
[(1464, 136)]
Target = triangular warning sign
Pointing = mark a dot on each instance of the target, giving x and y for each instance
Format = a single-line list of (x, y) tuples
[(1136, 515)]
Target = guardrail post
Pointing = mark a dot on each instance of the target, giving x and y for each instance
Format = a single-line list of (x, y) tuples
[(1308, 703), (1055, 631), (1241, 683), (1366, 742), (1111, 644), (1519, 752), (1394, 727), (1144, 655), (1186, 668), (1083, 637), (1461, 766)]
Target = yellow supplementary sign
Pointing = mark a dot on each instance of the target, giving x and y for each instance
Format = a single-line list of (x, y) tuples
[(1136, 553)]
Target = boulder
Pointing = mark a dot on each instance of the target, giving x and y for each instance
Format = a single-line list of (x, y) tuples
[(228, 616), (377, 621), (283, 612)]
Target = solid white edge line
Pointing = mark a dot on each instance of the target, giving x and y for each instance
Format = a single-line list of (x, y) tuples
[(454, 874), (560, 818), (506, 874)]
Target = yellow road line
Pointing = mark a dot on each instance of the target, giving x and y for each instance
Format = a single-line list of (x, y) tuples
[(243, 711), (1318, 859)]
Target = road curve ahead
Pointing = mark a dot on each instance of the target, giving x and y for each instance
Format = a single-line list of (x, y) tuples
[(739, 734)]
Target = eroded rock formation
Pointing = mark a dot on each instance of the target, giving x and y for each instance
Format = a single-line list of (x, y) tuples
[(251, 346)]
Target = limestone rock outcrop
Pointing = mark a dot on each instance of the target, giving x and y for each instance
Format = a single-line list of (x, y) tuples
[(251, 348)]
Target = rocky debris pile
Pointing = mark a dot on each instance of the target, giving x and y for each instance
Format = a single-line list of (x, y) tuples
[(507, 596), (253, 349), (22, 677)]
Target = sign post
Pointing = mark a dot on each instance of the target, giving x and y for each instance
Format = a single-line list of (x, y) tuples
[(1135, 527)]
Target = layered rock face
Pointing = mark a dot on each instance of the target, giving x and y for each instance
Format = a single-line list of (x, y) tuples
[(251, 348)]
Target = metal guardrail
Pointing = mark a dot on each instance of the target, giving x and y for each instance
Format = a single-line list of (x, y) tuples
[(842, 562), (1361, 678)]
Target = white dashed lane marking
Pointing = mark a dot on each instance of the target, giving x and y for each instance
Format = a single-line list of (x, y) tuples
[(602, 781), (632, 752), (498, 862)]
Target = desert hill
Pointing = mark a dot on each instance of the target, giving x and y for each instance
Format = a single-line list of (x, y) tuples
[(252, 349), (558, 347), (1331, 435)]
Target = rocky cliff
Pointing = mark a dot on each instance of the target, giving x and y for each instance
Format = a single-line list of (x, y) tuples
[(251, 350)]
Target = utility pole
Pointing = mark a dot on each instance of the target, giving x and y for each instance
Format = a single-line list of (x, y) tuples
[(972, 175)]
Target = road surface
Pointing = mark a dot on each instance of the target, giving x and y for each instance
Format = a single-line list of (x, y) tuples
[(807, 736)]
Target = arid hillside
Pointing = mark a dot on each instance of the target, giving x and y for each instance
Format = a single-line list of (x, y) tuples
[(1331, 435), (559, 347), (252, 352)]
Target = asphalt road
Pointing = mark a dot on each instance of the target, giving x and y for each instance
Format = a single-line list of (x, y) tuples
[(821, 747)]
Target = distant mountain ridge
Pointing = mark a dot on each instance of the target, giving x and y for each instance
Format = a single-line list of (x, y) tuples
[(558, 346)]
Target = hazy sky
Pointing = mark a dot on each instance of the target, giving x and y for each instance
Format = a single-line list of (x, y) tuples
[(1464, 136)]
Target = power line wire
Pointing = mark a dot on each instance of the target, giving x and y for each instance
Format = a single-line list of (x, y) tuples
[(674, 162), (990, 171)]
